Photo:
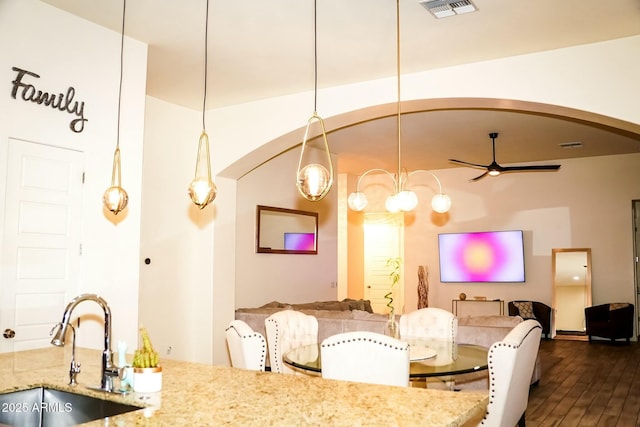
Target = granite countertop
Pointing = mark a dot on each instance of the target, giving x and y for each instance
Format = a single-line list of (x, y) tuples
[(196, 394)]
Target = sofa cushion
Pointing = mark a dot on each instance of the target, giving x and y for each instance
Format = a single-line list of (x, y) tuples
[(493, 321)]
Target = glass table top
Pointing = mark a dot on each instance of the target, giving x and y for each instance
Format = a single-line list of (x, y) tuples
[(450, 358)]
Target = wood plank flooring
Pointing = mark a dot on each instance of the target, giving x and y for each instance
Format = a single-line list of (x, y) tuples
[(586, 384)]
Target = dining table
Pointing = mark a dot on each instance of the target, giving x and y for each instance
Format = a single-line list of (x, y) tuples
[(427, 358)]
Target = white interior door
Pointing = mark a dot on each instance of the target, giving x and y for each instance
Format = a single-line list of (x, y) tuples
[(383, 240), (41, 241)]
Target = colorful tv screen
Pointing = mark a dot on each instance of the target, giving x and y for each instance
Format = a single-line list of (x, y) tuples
[(299, 241), (491, 256)]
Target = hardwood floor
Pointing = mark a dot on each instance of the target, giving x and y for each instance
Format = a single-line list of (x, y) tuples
[(586, 384)]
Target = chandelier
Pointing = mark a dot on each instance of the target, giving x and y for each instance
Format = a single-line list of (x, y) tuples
[(402, 199)]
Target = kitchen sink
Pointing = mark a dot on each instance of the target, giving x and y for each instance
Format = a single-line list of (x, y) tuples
[(46, 407)]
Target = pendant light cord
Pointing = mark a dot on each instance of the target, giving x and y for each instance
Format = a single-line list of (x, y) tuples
[(315, 57), (399, 183), (124, 9), (206, 39)]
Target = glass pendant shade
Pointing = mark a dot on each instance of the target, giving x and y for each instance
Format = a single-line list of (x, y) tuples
[(115, 198), (407, 200), (202, 190), (441, 203), (357, 201), (392, 204), (314, 180)]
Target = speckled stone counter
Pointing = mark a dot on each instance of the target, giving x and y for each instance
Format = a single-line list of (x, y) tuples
[(203, 395)]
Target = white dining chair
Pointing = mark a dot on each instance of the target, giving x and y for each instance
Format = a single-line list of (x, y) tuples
[(247, 348), (438, 326), (285, 330), (511, 363), (430, 323), (365, 357)]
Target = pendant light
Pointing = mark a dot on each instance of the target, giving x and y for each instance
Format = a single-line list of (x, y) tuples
[(314, 179), (202, 190), (115, 199), (402, 199)]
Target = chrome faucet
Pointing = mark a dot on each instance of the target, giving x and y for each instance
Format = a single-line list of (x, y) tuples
[(109, 370)]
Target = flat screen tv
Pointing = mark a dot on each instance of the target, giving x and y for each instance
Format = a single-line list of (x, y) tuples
[(480, 257), (299, 241)]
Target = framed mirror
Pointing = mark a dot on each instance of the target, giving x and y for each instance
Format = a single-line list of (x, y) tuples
[(286, 231), (571, 269)]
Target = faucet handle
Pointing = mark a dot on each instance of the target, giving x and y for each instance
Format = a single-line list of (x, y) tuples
[(73, 372)]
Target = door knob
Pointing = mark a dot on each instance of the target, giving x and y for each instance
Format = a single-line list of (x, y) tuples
[(369, 287), (9, 333)]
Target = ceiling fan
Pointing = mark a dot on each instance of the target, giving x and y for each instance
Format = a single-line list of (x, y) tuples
[(494, 169)]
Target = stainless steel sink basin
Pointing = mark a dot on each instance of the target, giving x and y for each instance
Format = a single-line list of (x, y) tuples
[(47, 407)]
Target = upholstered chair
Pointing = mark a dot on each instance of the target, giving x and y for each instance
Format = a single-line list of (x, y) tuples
[(247, 348), (285, 330), (511, 364), (613, 321), (430, 323), (365, 357), (535, 310)]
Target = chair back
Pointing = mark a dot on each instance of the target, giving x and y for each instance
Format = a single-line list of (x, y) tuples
[(511, 363), (365, 357), (247, 348), (431, 323), (285, 330)]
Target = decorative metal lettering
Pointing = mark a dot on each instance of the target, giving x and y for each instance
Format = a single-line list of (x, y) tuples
[(63, 102)]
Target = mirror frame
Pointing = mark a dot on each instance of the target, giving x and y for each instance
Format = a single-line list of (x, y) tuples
[(588, 302), (263, 221)]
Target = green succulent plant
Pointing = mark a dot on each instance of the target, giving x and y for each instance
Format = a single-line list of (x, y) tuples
[(145, 357)]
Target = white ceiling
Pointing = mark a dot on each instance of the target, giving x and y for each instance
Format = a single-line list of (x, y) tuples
[(265, 49)]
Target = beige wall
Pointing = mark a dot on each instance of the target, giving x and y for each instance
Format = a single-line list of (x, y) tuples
[(261, 277), (587, 203), (176, 296), (68, 51)]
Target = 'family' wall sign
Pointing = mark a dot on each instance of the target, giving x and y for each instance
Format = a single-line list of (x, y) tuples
[(60, 101)]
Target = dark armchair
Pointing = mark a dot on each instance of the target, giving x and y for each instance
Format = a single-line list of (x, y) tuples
[(540, 312), (611, 321)]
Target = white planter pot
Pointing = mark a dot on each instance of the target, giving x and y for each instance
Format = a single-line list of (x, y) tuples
[(147, 380)]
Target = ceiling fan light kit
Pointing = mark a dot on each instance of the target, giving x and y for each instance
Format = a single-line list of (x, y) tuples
[(494, 169)]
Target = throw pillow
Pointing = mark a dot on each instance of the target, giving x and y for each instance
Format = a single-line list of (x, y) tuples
[(526, 309)]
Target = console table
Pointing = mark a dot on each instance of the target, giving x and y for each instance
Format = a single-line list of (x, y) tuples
[(475, 307)]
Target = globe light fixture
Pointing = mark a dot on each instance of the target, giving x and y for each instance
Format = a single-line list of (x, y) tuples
[(202, 190), (314, 177), (115, 198)]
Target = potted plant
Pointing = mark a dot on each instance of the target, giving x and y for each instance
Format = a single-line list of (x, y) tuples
[(147, 372), (394, 276)]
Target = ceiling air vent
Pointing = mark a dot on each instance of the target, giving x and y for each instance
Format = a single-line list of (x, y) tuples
[(444, 8), (575, 144)]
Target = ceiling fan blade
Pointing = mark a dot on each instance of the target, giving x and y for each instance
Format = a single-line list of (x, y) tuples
[(475, 165), (479, 177), (531, 168)]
